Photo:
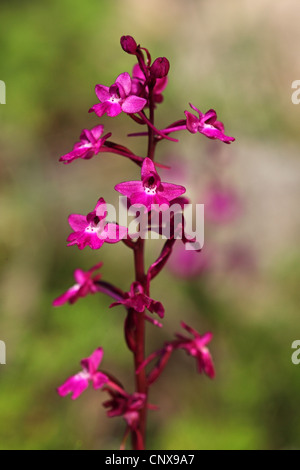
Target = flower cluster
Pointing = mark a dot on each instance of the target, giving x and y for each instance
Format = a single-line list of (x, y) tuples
[(138, 96)]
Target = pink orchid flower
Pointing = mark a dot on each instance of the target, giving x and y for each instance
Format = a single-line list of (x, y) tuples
[(207, 125), (117, 98), (80, 382), (93, 230)]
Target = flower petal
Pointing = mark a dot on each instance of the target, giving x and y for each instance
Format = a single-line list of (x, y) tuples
[(92, 362), (148, 168), (192, 122), (77, 222), (125, 81), (171, 191), (102, 92), (100, 208), (68, 296), (113, 233), (99, 108), (113, 109), (209, 117), (133, 104), (97, 131), (129, 187), (99, 380), (75, 385), (81, 276)]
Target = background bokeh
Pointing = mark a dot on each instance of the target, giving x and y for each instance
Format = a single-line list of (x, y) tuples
[(238, 57)]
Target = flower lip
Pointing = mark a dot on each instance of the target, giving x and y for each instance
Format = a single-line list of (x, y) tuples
[(151, 183), (116, 93)]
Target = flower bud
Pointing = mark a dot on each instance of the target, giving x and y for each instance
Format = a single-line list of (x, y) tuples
[(128, 44), (160, 67)]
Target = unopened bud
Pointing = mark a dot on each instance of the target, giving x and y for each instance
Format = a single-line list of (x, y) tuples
[(160, 67), (128, 44)]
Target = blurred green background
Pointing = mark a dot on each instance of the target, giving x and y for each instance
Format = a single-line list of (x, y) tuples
[(238, 57)]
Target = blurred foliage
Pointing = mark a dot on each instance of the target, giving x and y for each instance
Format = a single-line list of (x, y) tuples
[(231, 58)]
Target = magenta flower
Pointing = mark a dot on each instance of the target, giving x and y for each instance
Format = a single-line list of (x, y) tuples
[(93, 230), (80, 382), (85, 284), (128, 406), (207, 125), (117, 98), (125, 405), (196, 347), (221, 204), (139, 88), (138, 300), (150, 190), (89, 145), (188, 264)]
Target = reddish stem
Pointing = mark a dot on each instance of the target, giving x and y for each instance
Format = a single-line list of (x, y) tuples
[(139, 352), (140, 276)]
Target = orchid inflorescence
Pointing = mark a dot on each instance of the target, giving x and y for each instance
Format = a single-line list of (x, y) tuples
[(138, 97)]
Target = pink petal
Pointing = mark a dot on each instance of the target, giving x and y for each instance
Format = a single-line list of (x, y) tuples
[(75, 385), (102, 92), (83, 239), (148, 167), (137, 72), (69, 157), (100, 208), (97, 131), (99, 380), (205, 363), (196, 109), (94, 241), (77, 222), (214, 133), (140, 198), (209, 117), (99, 108), (96, 267), (66, 296), (157, 307), (133, 104), (171, 191), (125, 81), (80, 276), (160, 85), (192, 122), (189, 329), (92, 362), (113, 109), (219, 125), (113, 233), (86, 137), (129, 187)]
